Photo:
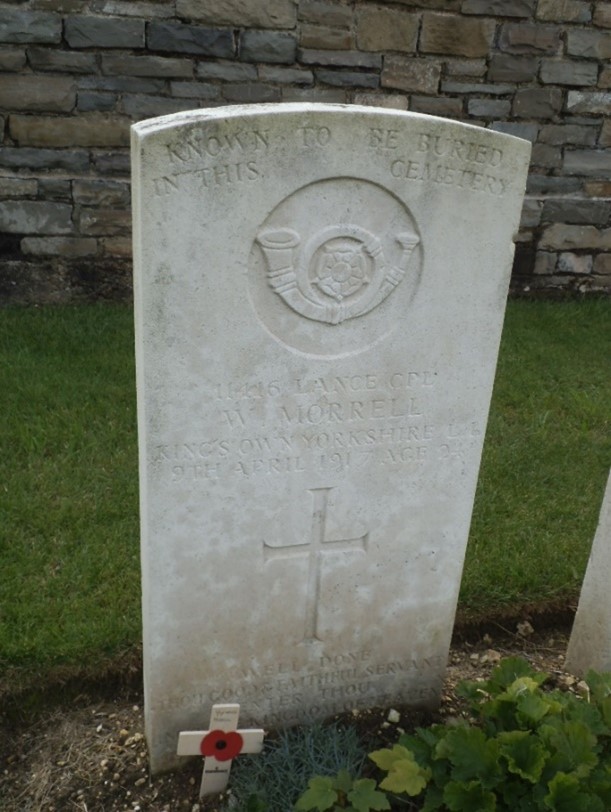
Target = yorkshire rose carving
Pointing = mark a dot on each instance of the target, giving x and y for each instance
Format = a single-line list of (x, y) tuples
[(340, 273)]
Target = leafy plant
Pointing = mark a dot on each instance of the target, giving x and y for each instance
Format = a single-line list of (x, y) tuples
[(525, 750)]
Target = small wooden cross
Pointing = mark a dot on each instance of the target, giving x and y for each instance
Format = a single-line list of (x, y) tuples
[(219, 744)]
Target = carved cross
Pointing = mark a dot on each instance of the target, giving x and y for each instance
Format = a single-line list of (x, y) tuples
[(315, 548), (219, 744)]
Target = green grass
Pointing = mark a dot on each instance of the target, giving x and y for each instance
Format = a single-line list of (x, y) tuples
[(546, 457), (69, 558)]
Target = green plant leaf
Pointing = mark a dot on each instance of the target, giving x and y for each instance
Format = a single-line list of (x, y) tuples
[(472, 755), (599, 685), (343, 781), (386, 757), (406, 776), (524, 753), (319, 794), (575, 747), (565, 795), (508, 671), (364, 796), (467, 797)]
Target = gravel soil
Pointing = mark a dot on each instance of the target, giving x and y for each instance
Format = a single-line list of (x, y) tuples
[(87, 753)]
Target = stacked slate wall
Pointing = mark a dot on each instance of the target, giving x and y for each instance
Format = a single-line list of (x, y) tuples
[(75, 73)]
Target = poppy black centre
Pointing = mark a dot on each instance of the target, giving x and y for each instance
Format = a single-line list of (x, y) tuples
[(221, 745)]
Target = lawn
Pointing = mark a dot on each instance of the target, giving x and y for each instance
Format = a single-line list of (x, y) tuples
[(69, 558)]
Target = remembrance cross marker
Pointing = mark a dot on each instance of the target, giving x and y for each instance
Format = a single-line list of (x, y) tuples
[(219, 745), (315, 548)]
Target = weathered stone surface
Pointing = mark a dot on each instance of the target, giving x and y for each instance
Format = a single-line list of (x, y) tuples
[(191, 39), (574, 263), (35, 217), (49, 159), (95, 102), (390, 101), (250, 92), (127, 8), (268, 46), (84, 130), (52, 94), (597, 188), (519, 129), (112, 163), (104, 221), (602, 14), (560, 134), (194, 90), (18, 187), (525, 38), (452, 86), (260, 192), (437, 106), (412, 75), (325, 13), (91, 32), (602, 264), (240, 13), (228, 72), (346, 59), (604, 80), (588, 162), (564, 237), (121, 84), (322, 36), (12, 59), (117, 246), (501, 8), (545, 263), (589, 43), (531, 212), (386, 29), (328, 95), (583, 101), (465, 67), (347, 78), (551, 185), (60, 246), (127, 65), (103, 193), (52, 59), (564, 11), (139, 106), (605, 134), (568, 73), (30, 26), (509, 68), (283, 75), (537, 102), (580, 211), (544, 155), (488, 108), (50, 188), (449, 34)]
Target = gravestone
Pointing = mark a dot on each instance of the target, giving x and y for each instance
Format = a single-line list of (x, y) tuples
[(319, 294), (590, 641)]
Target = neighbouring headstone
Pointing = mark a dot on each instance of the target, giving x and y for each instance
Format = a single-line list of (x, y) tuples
[(219, 745), (590, 641), (319, 294)]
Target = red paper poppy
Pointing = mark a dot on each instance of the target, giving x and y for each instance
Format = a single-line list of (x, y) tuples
[(221, 745)]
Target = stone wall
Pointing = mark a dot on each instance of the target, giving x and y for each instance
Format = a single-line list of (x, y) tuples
[(75, 73)]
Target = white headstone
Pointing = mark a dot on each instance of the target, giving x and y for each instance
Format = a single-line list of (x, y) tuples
[(319, 295), (590, 641)]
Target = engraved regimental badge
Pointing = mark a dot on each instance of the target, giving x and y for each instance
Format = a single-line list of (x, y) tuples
[(339, 273)]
